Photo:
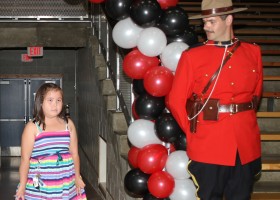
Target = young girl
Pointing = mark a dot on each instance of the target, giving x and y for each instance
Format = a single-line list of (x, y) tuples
[(50, 164)]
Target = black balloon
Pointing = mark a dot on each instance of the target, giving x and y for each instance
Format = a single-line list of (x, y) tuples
[(138, 86), (167, 129), (174, 21), (145, 13), (135, 182), (149, 107), (181, 142), (118, 9), (188, 36), (151, 197)]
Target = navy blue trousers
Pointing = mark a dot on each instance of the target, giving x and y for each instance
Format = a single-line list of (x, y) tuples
[(215, 182)]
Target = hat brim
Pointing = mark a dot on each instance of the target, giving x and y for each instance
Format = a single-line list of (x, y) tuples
[(218, 14)]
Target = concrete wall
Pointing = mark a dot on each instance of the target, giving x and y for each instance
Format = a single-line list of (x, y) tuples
[(96, 121)]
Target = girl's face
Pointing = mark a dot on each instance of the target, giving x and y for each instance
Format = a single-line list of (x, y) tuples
[(52, 104)]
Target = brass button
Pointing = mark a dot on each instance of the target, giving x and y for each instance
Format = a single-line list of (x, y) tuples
[(230, 67), (206, 75), (232, 83), (254, 70)]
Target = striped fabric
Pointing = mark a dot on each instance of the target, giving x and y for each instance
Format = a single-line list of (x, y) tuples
[(51, 165)]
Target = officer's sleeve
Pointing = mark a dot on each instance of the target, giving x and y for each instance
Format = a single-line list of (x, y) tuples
[(181, 90)]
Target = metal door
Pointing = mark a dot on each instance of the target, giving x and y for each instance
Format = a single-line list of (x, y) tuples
[(16, 109), (12, 112)]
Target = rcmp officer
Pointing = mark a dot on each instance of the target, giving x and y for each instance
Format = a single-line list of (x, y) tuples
[(224, 149)]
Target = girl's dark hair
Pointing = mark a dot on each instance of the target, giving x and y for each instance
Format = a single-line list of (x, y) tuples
[(38, 113)]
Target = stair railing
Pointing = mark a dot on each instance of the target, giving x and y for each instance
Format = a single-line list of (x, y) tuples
[(113, 55)]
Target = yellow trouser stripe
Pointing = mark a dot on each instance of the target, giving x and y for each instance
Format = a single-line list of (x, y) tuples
[(194, 180)]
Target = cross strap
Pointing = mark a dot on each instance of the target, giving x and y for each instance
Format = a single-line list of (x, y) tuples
[(229, 55)]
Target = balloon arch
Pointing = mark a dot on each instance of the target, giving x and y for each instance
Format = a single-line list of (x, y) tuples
[(157, 32)]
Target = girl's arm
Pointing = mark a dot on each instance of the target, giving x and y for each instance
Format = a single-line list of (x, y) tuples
[(27, 143), (75, 155)]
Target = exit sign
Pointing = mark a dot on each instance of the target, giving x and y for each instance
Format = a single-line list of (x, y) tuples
[(26, 58), (35, 51)]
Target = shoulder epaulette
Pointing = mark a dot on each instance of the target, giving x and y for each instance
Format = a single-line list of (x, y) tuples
[(196, 45), (253, 43)]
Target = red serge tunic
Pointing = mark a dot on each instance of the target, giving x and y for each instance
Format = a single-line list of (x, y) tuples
[(216, 142)]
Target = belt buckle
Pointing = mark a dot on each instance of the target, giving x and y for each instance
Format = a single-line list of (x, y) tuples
[(233, 108)]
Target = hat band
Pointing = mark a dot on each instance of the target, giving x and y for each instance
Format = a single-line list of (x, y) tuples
[(216, 10)]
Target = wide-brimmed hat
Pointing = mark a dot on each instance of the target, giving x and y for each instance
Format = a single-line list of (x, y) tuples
[(211, 8)]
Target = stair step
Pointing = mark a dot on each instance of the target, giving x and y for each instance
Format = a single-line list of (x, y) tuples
[(271, 163), (238, 4), (271, 78), (271, 95), (271, 64), (266, 190), (118, 122), (242, 22), (108, 87), (270, 136), (271, 52), (268, 114)]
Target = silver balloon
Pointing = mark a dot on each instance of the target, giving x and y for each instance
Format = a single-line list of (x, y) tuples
[(176, 165), (141, 132), (184, 190), (152, 41), (172, 53), (126, 33)]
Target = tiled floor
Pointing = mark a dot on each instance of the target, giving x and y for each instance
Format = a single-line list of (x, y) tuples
[(9, 178)]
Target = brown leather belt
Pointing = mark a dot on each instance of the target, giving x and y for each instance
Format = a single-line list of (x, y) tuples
[(236, 107)]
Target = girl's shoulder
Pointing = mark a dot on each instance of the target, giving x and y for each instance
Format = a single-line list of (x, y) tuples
[(30, 127), (70, 125)]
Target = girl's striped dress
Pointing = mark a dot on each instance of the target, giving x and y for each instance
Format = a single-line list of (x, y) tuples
[(51, 173)]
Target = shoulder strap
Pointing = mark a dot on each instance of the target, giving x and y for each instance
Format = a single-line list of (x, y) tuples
[(38, 127), (230, 53)]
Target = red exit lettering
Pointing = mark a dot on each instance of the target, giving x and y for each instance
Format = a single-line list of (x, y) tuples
[(26, 58), (35, 51)]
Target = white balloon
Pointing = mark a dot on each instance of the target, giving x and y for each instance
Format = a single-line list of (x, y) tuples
[(152, 41), (171, 54), (141, 132), (176, 164), (184, 190), (126, 33)]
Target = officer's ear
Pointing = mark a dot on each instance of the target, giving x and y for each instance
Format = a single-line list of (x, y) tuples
[(229, 20)]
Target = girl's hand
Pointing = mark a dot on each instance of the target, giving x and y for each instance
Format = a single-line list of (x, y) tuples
[(79, 185), (20, 193)]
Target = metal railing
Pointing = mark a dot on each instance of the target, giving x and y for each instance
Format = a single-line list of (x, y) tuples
[(113, 55)]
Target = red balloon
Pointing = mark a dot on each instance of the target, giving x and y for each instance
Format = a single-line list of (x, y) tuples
[(132, 156), (161, 184), (96, 1), (158, 81), (136, 64), (172, 148), (152, 158), (164, 4), (134, 113)]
